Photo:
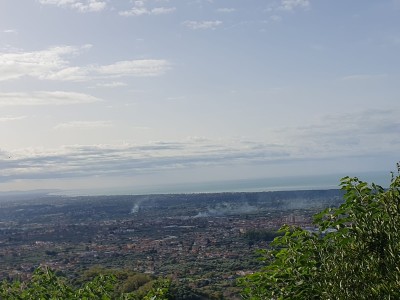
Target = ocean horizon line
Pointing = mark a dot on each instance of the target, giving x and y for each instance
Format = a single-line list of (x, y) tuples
[(288, 183)]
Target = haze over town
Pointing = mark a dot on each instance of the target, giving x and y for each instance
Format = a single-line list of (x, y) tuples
[(168, 96)]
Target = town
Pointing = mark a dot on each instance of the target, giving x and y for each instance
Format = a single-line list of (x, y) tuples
[(204, 241)]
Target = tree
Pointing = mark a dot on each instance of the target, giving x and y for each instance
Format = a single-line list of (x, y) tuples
[(354, 253), (46, 285)]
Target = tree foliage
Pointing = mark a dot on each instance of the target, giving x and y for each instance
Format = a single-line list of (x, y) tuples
[(354, 252), (46, 285)]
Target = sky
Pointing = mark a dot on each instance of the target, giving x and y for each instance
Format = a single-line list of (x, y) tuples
[(112, 96)]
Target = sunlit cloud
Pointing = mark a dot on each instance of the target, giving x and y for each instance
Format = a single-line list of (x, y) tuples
[(10, 31), (106, 160), (374, 132), (363, 77), (45, 98), (140, 11), (79, 5), (54, 64), (40, 64), (84, 125), (226, 10), (140, 8), (202, 24), (144, 67), (11, 118), (275, 18), (366, 132), (113, 84), (294, 4)]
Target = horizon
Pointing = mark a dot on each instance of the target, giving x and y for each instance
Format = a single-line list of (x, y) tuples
[(278, 184), (157, 95)]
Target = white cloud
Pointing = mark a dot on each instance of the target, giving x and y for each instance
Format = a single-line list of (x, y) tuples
[(52, 64), (364, 133), (68, 74), (162, 10), (127, 159), (144, 67), (140, 128), (40, 64), (293, 4), (81, 6), (140, 9), (202, 24), (226, 10), (275, 18), (363, 77), (83, 124), (113, 84), (12, 31), (11, 118), (45, 98)]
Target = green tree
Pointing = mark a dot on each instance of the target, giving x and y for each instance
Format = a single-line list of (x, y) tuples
[(354, 253), (46, 285)]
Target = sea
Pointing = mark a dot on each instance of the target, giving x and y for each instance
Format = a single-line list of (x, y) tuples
[(287, 183)]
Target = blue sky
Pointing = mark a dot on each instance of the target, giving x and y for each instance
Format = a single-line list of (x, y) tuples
[(116, 95)]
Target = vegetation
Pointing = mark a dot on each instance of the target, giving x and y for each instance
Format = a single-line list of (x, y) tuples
[(46, 285), (255, 235), (198, 240), (354, 252)]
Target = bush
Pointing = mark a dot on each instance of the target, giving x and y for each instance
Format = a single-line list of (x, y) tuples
[(353, 254), (46, 285)]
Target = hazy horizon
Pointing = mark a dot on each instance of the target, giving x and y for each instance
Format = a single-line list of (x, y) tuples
[(290, 183)]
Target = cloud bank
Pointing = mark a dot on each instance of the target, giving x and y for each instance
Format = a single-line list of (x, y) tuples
[(375, 132)]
